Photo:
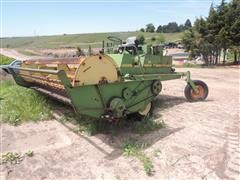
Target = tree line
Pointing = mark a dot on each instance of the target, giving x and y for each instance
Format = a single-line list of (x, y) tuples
[(217, 34), (171, 27)]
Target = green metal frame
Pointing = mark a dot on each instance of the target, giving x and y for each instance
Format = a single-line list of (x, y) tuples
[(93, 100), (139, 75)]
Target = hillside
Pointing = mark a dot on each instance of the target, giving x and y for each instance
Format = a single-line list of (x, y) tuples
[(75, 40)]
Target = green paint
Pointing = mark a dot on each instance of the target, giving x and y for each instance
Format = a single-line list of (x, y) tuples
[(131, 94)]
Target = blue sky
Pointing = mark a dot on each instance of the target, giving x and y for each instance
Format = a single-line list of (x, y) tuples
[(47, 17)]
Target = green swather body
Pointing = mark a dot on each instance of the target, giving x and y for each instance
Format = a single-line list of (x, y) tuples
[(134, 81)]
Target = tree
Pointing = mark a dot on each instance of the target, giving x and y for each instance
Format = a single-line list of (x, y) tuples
[(200, 26), (142, 30), (189, 41), (181, 28), (159, 29), (164, 28), (217, 33), (150, 28), (140, 39), (233, 29), (187, 24), (171, 27)]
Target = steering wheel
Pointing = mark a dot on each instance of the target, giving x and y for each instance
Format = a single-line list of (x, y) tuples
[(114, 39)]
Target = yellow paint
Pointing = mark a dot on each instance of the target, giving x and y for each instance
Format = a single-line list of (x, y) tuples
[(162, 65), (146, 110), (126, 65), (147, 65), (156, 65), (94, 69)]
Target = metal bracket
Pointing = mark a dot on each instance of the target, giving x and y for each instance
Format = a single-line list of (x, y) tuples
[(64, 79), (190, 82), (18, 79)]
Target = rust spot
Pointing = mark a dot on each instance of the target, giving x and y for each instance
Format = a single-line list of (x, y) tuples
[(103, 80)]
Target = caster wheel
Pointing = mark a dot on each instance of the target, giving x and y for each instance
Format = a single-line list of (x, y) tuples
[(192, 96)]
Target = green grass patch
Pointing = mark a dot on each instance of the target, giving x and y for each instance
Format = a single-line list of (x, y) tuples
[(19, 104), (5, 60), (90, 126), (133, 148)]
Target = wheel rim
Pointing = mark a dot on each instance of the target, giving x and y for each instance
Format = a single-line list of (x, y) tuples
[(200, 94), (146, 110)]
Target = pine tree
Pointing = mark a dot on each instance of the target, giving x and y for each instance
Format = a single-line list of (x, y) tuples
[(187, 24)]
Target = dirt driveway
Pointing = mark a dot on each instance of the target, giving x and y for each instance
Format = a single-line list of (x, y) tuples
[(200, 140)]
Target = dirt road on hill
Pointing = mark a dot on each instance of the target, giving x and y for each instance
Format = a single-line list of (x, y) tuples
[(13, 54)]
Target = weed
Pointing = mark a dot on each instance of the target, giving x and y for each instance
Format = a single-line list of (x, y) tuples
[(131, 147), (147, 163), (118, 177), (134, 148), (63, 119), (146, 125), (157, 152), (11, 157), (19, 104), (29, 153)]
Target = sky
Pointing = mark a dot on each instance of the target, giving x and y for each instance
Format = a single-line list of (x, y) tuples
[(50, 17)]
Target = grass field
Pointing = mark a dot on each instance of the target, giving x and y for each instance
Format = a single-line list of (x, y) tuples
[(19, 104), (5, 60), (75, 40)]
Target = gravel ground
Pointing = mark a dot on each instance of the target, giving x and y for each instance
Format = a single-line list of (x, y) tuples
[(200, 140)]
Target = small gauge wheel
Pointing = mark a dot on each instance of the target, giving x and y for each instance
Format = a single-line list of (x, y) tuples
[(192, 96)]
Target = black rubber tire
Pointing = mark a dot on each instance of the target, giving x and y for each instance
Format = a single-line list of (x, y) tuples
[(189, 91)]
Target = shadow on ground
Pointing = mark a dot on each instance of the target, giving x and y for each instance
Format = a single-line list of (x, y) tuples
[(117, 133), (166, 101)]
